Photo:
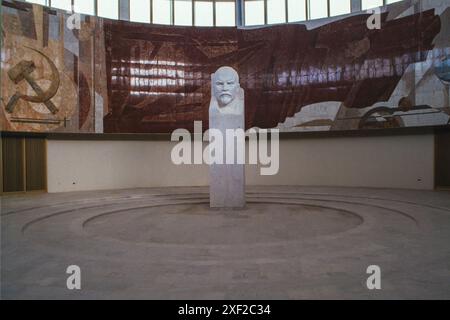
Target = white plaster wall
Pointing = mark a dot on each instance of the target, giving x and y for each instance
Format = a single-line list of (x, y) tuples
[(380, 162), (385, 162), (101, 165)]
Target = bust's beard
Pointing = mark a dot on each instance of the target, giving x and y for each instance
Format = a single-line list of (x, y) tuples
[(225, 100)]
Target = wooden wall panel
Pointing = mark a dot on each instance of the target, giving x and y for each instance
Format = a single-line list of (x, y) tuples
[(35, 164), (13, 164), (24, 164), (443, 159)]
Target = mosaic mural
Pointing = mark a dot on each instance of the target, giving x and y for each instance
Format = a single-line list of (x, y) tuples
[(121, 77), (50, 78)]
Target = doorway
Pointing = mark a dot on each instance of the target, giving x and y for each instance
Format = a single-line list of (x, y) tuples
[(23, 164), (442, 159)]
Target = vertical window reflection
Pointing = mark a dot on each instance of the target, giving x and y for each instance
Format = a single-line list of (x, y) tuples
[(254, 12), (297, 10), (85, 6), (318, 9), (225, 13), (276, 11), (338, 7), (204, 12), (162, 11), (108, 9), (183, 12), (369, 4), (140, 10)]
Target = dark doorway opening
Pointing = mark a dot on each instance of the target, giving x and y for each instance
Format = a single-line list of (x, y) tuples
[(23, 164), (442, 159)]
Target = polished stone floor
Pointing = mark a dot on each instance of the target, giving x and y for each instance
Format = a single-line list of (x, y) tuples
[(289, 243)]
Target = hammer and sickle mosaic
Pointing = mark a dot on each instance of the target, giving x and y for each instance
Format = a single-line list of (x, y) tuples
[(39, 89), (23, 71)]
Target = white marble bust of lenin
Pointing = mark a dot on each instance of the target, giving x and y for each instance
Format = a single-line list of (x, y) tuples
[(227, 96)]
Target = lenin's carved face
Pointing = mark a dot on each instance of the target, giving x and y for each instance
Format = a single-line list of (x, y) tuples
[(226, 86)]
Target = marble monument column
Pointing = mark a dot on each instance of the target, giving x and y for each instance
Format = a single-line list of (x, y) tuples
[(226, 111)]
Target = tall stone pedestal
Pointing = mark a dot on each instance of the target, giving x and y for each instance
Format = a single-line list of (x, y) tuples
[(227, 181)]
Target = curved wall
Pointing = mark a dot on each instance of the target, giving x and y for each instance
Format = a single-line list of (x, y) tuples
[(398, 161), (326, 75)]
